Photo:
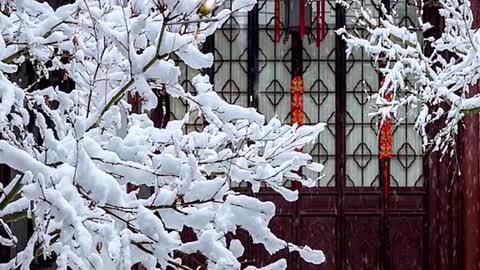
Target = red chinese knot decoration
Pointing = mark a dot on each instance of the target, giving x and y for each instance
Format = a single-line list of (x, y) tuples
[(385, 144), (386, 138), (296, 91), (299, 8)]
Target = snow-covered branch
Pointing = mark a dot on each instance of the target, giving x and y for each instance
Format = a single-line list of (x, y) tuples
[(76, 149), (441, 79)]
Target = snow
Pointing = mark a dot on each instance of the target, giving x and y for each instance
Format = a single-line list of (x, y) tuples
[(308, 254), (441, 83), (75, 150), (278, 265)]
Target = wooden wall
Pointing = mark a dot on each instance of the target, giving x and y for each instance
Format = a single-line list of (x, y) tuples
[(471, 177)]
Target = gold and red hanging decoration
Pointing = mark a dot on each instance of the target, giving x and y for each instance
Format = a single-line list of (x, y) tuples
[(296, 91), (386, 137), (296, 116), (320, 32), (385, 144)]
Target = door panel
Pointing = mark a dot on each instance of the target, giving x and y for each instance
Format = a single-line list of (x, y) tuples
[(319, 232), (362, 242), (406, 238)]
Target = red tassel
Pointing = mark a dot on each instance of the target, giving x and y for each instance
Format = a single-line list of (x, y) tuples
[(302, 18), (320, 16), (317, 25), (385, 179), (277, 20), (324, 24)]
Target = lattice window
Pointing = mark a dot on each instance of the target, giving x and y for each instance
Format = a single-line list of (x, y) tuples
[(361, 130), (362, 167), (319, 97), (362, 137), (230, 68), (230, 76), (274, 64), (406, 167), (178, 107)]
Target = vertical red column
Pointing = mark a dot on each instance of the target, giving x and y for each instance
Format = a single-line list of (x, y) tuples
[(445, 207), (471, 174)]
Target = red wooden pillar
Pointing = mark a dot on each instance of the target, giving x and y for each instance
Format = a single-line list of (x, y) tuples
[(471, 192), (471, 177), (445, 223)]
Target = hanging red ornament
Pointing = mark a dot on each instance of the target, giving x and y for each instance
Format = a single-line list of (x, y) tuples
[(385, 180), (385, 145), (277, 20), (317, 24), (324, 22), (296, 93), (386, 139), (320, 23), (302, 18)]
